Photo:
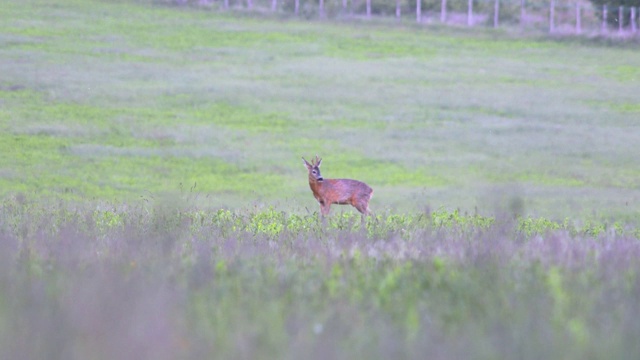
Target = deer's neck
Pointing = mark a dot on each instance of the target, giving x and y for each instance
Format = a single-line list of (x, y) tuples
[(315, 185)]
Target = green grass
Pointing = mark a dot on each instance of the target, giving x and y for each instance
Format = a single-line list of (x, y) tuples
[(117, 101)]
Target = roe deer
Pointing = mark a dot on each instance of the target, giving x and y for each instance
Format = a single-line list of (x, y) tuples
[(337, 191)]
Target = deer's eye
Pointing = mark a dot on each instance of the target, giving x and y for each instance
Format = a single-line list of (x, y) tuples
[(314, 172)]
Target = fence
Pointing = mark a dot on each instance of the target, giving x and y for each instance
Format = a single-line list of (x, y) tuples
[(554, 16)]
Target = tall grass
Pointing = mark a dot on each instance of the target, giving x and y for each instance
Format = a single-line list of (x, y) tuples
[(166, 282)]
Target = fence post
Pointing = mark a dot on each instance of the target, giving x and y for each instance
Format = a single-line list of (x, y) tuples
[(344, 5), (523, 12), (634, 27), (418, 11), (321, 8), (274, 5), (496, 11), (604, 18), (296, 7), (398, 9), (443, 11), (249, 4), (368, 8), (226, 4), (470, 13), (578, 19), (552, 10), (620, 19)]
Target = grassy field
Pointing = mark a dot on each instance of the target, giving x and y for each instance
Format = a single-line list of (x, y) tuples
[(111, 101), (153, 203)]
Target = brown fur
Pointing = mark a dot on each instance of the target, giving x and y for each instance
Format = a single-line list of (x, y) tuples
[(337, 191)]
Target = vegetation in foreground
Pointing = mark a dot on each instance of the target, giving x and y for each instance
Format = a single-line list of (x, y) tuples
[(168, 283)]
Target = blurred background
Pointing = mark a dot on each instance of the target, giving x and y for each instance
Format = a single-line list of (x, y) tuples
[(216, 103)]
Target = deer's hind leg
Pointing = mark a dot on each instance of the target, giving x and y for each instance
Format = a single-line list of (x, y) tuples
[(363, 208), (362, 205), (363, 202)]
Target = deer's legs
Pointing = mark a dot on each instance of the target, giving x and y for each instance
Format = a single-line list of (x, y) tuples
[(362, 205), (324, 209)]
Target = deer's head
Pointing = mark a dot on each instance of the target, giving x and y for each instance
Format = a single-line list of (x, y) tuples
[(314, 169)]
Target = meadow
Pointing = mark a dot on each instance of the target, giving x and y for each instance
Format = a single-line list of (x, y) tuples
[(114, 101), (154, 203)]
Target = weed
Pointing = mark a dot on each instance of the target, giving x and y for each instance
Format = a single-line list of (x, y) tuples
[(263, 281)]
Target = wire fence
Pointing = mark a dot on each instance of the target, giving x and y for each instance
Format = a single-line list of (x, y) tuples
[(555, 16)]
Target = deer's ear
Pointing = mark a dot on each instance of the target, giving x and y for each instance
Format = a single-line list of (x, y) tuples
[(306, 164)]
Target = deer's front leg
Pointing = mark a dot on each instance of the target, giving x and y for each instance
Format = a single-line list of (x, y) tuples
[(325, 207)]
